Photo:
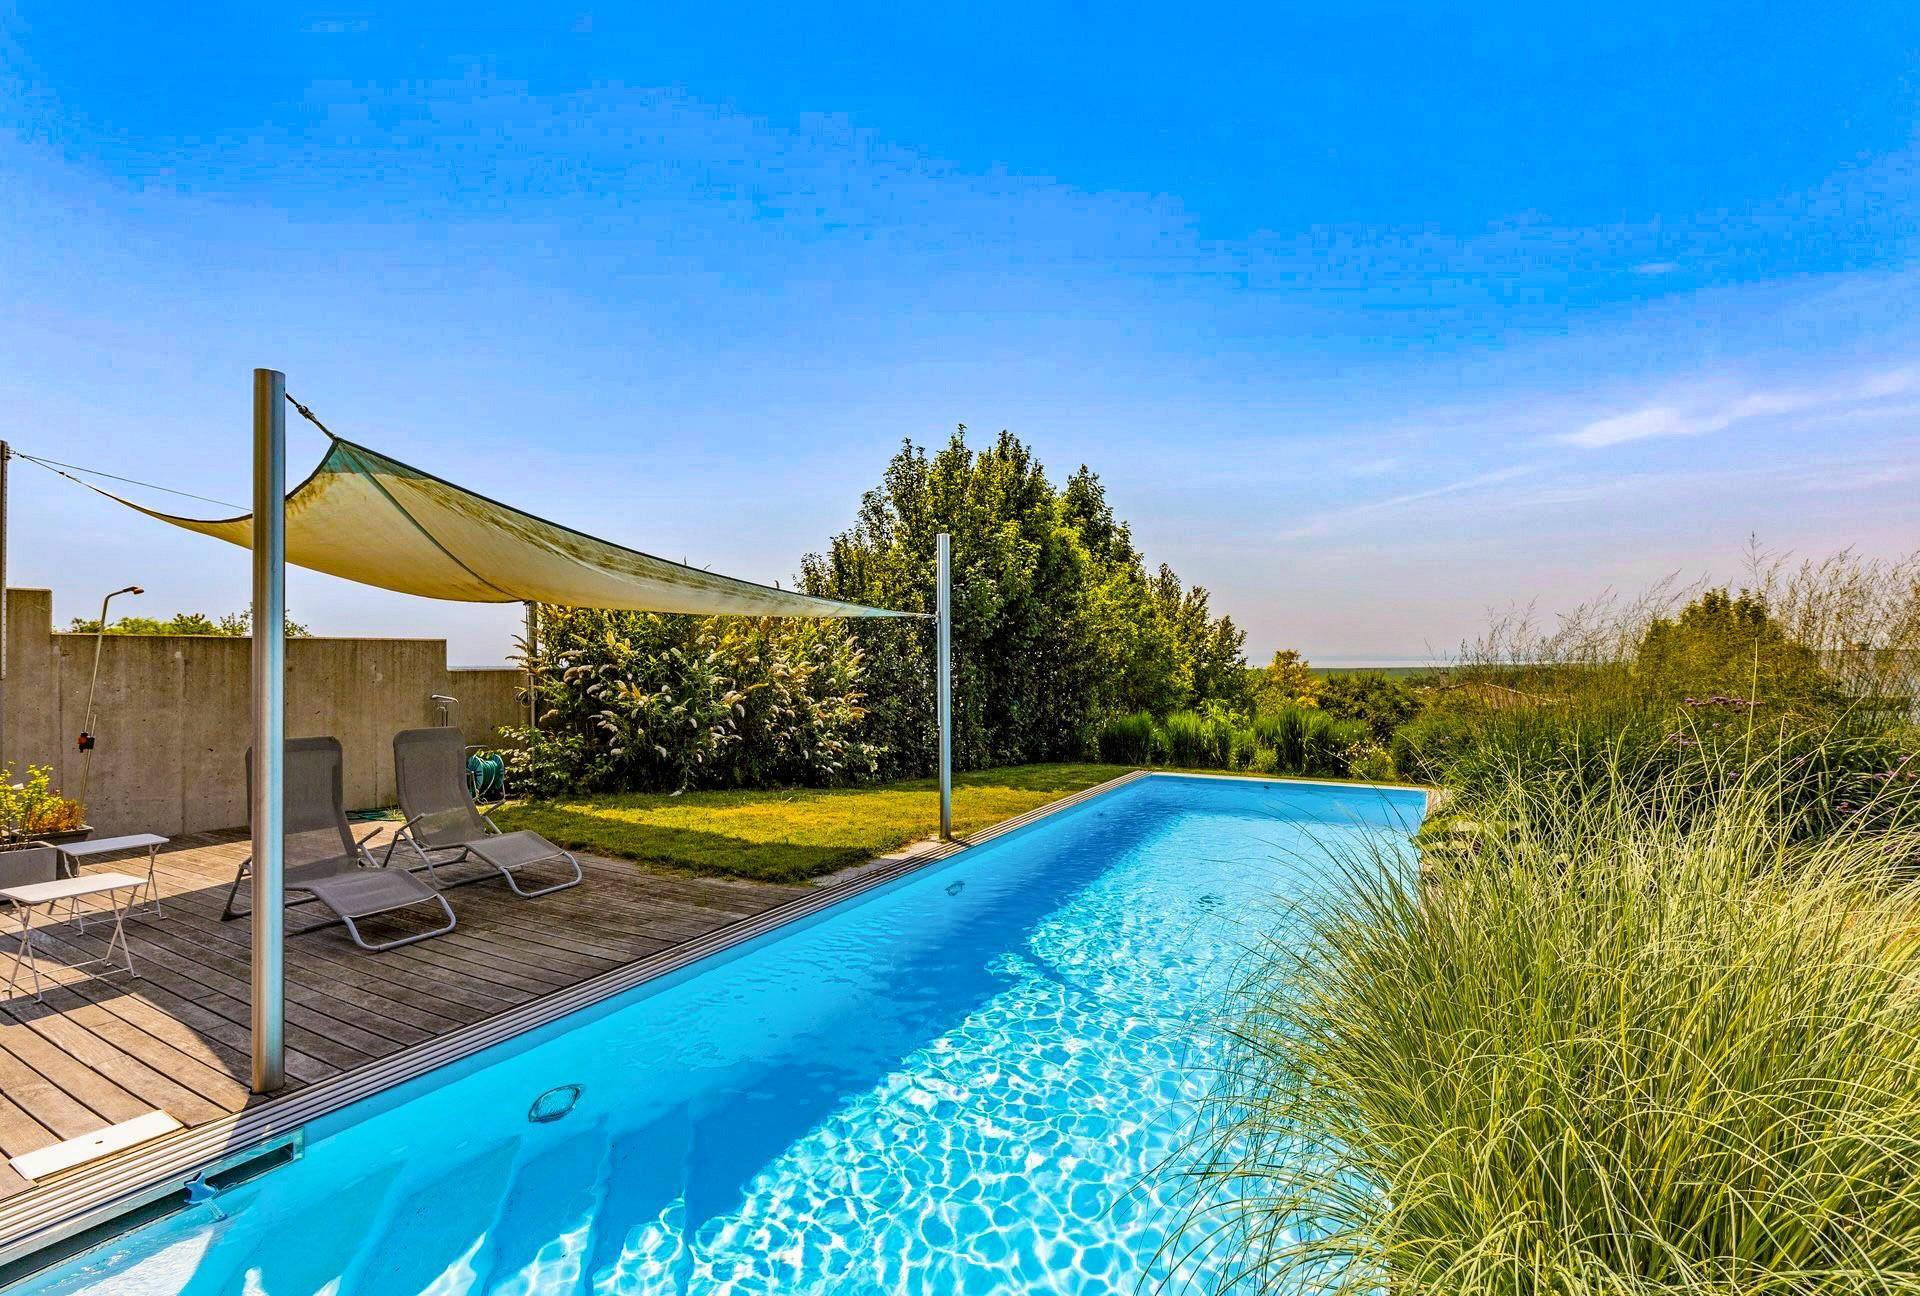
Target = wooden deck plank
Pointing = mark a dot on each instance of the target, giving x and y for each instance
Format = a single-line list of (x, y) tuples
[(335, 1041), (216, 1087), (396, 972), (101, 1049), (20, 1132), (100, 1088), (45, 1101)]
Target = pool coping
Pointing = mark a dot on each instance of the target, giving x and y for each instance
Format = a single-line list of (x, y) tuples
[(96, 1195)]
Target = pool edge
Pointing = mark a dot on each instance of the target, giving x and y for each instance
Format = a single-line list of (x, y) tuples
[(43, 1217)]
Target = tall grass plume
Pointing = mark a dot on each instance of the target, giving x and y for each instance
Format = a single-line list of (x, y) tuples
[(1614, 1048)]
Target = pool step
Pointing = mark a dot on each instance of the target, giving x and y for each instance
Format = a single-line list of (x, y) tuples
[(544, 1231), (438, 1227)]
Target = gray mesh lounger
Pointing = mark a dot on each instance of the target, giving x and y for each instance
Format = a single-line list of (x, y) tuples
[(430, 767), (322, 859)]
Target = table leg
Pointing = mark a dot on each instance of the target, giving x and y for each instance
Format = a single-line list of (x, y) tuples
[(153, 889), (120, 933), (26, 949)]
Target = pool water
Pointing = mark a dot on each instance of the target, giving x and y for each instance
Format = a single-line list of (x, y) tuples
[(976, 1079)]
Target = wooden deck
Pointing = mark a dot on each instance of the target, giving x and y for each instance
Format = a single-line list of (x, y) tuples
[(104, 1049)]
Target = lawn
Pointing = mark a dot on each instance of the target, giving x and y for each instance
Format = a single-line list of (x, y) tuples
[(792, 834)]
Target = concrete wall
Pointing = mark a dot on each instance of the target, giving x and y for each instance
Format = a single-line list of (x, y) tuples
[(171, 714)]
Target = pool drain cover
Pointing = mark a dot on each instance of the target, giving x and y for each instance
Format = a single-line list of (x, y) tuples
[(553, 1104)]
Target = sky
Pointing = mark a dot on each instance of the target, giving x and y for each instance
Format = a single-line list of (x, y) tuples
[(1375, 319)]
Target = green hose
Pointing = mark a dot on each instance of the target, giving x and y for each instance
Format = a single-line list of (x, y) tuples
[(487, 775)]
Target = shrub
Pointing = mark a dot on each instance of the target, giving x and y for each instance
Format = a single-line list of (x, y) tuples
[(1372, 762), (1377, 700), (1131, 740), (634, 701), (32, 806), (1242, 747), (1619, 1049), (1832, 768), (1192, 742), (1294, 740), (1308, 741), (1284, 730)]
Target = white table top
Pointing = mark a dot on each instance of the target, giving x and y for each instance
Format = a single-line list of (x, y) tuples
[(104, 845), (34, 893)]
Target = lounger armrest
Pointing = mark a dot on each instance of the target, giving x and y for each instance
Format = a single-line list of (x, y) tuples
[(403, 833)]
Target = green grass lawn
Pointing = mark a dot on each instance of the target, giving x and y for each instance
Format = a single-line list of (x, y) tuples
[(792, 834)]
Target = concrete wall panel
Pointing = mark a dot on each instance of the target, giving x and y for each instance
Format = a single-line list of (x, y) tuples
[(171, 714)]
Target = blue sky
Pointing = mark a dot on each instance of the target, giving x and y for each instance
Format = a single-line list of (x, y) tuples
[(1373, 317)]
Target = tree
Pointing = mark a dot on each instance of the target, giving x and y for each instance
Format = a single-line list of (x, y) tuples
[(1056, 623), (1374, 698), (1285, 681), (232, 625), (1729, 645)]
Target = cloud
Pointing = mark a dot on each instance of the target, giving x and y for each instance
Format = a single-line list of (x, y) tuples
[(1656, 267), (1322, 523), (1702, 416)]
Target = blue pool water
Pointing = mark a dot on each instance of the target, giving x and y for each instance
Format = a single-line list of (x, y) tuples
[(973, 1080)]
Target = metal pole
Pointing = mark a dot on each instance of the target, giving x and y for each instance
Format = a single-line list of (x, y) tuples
[(943, 673), (86, 725), (533, 650), (6, 454), (269, 727)]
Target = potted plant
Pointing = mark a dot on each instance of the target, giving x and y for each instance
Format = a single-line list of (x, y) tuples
[(31, 810)]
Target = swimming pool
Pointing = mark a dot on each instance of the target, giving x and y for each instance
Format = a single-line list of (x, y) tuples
[(968, 1080)]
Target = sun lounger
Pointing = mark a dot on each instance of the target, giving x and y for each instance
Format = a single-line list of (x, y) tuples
[(324, 864), (445, 827)]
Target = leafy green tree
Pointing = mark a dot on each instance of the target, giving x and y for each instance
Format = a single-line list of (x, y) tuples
[(232, 625), (1057, 623), (1730, 646), (1374, 698), (1286, 681)]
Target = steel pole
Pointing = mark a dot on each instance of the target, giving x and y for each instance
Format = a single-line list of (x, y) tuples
[(943, 673), (268, 805), (533, 651), (6, 455)]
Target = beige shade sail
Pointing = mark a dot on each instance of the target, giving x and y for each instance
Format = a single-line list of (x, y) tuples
[(368, 518)]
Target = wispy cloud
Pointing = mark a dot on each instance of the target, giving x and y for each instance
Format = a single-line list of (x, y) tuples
[(1703, 415), (1656, 267), (1323, 523)]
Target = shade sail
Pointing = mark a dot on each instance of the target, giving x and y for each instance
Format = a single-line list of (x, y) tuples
[(368, 518)]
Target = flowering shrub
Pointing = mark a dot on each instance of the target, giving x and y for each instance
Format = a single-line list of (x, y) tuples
[(32, 807)]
